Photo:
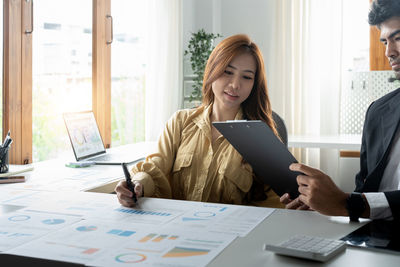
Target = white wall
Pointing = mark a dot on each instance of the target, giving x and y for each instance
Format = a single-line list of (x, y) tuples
[(228, 17)]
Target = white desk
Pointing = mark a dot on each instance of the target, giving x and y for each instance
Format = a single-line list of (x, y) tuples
[(53, 175), (244, 251), (247, 251), (284, 223), (346, 142)]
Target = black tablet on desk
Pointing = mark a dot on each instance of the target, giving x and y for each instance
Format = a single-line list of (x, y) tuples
[(268, 156), (376, 235)]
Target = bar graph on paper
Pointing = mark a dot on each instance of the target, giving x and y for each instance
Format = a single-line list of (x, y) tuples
[(175, 248), (145, 216), (157, 238), (143, 212), (80, 249), (179, 252)]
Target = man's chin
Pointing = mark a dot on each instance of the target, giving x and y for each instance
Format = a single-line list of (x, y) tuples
[(397, 74)]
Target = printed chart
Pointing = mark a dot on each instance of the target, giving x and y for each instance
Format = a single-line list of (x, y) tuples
[(95, 230), (80, 242), (219, 218), (21, 226), (130, 258), (180, 252), (167, 249), (138, 215)]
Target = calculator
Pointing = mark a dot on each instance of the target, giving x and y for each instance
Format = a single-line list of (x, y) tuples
[(308, 247)]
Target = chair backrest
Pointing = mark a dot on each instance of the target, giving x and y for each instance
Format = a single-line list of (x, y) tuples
[(280, 127)]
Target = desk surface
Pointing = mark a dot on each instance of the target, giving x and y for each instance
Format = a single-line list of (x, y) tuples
[(243, 251), (247, 251), (53, 175), (344, 141), (282, 224)]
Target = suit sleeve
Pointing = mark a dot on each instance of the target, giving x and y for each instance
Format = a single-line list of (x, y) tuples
[(362, 174), (393, 198)]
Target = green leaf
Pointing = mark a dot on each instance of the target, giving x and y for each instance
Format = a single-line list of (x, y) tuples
[(199, 49)]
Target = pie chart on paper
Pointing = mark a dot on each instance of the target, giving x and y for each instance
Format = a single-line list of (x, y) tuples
[(86, 228), (53, 221)]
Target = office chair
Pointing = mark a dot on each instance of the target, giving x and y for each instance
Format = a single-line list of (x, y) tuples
[(280, 127)]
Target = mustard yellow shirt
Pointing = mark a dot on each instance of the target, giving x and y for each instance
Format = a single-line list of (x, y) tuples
[(188, 167)]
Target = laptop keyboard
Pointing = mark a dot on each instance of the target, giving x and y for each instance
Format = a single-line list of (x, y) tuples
[(103, 158)]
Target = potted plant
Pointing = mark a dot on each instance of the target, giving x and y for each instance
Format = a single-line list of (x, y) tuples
[(200, 46)]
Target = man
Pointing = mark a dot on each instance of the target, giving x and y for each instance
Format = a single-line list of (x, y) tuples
[(377, 194)]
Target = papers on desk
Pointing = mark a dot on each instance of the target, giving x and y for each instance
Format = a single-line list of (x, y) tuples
[(16, 169), (10, 194), (159, 232), (220, 218), (71, 203), (17, 228), (166, 249), (108, 243), (70, 180), (199, 216)]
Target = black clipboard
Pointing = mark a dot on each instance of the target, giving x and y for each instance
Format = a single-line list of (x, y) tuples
[(268, 156)]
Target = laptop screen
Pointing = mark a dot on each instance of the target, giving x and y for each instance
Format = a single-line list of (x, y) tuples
[(84, 134)]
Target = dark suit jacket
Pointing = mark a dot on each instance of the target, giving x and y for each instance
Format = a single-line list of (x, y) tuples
[(381, 122)]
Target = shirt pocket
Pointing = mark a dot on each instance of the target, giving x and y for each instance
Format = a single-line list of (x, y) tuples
[(237, 182), (183, 160), (181, 175)]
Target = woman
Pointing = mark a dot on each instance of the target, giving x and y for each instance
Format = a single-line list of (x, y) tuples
[(194, 161)]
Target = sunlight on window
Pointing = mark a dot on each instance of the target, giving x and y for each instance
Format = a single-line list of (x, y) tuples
[(1, 70), (128, 71), (355, 35), (62, 71)]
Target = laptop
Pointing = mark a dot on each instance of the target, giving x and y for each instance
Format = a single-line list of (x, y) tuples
[(87, 144), (268, 156)]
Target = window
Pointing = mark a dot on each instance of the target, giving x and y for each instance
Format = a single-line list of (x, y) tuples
[(355, 36), (128, 71), (62, 71), (1, 70), (55, 69)]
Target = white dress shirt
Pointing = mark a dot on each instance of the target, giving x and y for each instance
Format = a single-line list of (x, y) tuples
[(379, 206)]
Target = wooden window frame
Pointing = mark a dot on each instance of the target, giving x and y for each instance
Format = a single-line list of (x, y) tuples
[(101, 67), (17, 74), (17, 79), (377, 58)]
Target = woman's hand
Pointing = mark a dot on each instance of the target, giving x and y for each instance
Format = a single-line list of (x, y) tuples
[(294, 204), (125, 196)]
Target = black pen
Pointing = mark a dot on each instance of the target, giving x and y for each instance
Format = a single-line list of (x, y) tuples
[(5, 147), (129, 181), (8, 143), (7, 138)]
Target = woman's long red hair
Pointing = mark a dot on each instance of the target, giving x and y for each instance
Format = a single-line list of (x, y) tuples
[(257, 105)]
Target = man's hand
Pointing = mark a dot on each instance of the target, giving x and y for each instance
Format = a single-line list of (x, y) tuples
[(319, 192), (295, 204)]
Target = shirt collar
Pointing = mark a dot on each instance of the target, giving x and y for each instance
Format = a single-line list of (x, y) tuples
[(203, 119)]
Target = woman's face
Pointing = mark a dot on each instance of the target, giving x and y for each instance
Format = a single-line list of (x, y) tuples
[(235, 84)]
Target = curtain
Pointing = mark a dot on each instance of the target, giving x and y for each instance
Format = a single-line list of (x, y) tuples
[(163, 75), (305, 78)]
